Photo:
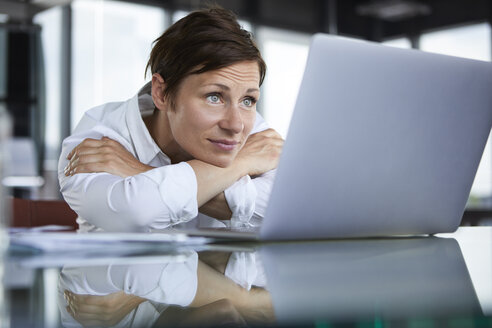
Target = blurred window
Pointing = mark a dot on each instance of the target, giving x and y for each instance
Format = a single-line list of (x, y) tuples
[(51, 34), (468, 41), (178, 14), (110, 48), (473, 42), (285, 54), (398, 43)]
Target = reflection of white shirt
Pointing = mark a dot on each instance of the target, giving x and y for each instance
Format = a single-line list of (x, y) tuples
[(156, 199), (168, 282)]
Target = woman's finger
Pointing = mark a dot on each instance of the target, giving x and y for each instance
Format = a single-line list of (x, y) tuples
[(90, 144), (102, 146), (105, 155), (92, 155), (94, 158), (94, 167)]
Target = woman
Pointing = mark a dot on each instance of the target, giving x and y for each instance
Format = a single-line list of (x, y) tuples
[(191, 141)]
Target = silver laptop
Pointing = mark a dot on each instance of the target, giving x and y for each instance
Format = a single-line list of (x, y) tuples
[(369, 279), (383, 141)]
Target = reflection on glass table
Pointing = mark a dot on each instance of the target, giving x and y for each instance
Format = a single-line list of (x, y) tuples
[(207, 289), (370, 280), (393, 281)]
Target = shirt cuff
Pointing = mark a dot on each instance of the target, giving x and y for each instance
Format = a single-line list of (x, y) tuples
[(241, 197), (178, 190), (241, 268)]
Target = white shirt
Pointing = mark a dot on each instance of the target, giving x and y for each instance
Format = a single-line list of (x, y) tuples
[(156, 199)]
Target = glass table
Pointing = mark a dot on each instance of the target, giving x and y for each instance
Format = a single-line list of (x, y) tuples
[(438, 281)]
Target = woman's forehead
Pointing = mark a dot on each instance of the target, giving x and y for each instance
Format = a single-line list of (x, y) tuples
[(245, 74)]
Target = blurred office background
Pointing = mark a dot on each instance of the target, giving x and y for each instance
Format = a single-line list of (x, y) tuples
[(59, 58)]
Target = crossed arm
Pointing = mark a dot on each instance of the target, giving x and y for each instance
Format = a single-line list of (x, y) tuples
[(260, 154)]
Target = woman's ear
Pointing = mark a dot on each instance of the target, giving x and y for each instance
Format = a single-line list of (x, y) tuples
[(158, 87)]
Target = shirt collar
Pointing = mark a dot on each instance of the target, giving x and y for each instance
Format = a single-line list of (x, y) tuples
[(145, 147)]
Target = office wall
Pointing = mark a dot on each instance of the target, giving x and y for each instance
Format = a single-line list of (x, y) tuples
[(108, 35)]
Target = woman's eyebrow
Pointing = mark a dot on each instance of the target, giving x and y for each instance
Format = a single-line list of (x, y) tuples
[(226, 88)]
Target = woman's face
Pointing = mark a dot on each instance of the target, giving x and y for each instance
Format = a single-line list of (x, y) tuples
[(215, 112)]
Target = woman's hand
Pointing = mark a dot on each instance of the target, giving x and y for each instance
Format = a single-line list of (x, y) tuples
[(105, 311), (261, 152), (105, 155)]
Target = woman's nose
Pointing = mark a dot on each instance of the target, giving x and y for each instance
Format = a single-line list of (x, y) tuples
[(232, 120)]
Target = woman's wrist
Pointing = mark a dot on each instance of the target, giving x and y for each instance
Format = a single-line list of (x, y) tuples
[(236, 170), (212, 180), (240, 164), (144, 168)]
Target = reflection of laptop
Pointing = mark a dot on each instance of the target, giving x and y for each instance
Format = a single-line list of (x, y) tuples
[(372, 279), (383, 141)]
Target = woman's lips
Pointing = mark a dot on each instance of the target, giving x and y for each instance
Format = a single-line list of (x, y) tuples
[(224, 144)]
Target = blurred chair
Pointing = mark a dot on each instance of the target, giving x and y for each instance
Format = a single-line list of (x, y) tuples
[(34, 213)]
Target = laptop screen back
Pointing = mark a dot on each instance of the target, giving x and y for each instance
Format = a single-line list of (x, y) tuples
[(383, 141)]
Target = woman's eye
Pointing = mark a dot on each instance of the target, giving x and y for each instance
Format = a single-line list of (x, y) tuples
[(214, 99), (249, 102)]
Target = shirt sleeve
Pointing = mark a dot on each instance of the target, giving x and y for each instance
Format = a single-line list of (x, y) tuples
[(156, 199), (242, 269), (263, 185), (241, 198), (248, 198)]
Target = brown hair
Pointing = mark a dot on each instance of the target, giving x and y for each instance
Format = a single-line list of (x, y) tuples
[(203, 41)]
